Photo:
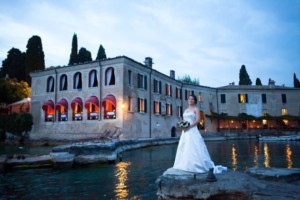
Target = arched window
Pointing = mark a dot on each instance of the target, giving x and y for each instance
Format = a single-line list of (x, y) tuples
[(77, 82), (76, 106), (110, 76), (48, 108), (92, 107), (93, 81), (63, 83), (62, 110), (50, 84), (109, 106)]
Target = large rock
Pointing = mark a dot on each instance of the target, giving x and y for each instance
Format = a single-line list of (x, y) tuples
[(177, 184)]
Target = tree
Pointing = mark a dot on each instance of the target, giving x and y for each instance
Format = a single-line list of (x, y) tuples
[(34, 58), (296, 82), (84, 55), (244, 77), (258, 82), (12, 90), (74, 50), (13, 65), (187, 79), (101, 53)]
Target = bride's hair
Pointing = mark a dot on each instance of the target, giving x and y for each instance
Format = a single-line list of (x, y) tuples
[(195, 98)]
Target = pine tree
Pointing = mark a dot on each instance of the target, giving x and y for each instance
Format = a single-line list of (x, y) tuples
[(296, 82), (34, 58), (258, 82), (244, 77), (84, 55), (101, 53), (13, 65), (74, 50)]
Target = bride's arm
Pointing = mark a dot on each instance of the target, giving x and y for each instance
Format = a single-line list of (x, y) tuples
[(196, 122)]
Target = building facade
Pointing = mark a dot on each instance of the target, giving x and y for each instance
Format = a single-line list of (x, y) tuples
[(82, 101)]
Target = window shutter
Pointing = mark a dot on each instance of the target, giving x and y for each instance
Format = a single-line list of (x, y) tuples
[(153, 107), (171, 111), (192, 92), (185, 94), (155, 85), (181, 114), (160, 108), (145, 105), (145, 79), (159, 87), (138, 102), (180, 94), (166, 89), (170, 90)]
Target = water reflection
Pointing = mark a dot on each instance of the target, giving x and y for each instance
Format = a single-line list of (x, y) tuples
[(288, 152), (234, 158), (267, 156), (255, 160), (121, 189)]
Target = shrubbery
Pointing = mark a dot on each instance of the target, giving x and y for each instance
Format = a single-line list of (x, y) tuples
[(17, 124)]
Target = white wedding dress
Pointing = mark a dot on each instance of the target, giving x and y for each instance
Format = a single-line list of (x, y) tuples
[(192, 154)]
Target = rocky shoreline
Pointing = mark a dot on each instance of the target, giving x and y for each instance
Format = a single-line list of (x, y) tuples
[(257, 184)]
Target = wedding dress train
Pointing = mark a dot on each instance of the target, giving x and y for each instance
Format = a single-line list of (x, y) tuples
[(192, 154)]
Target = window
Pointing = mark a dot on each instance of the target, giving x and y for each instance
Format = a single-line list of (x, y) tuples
[(243, 98), (130, 104), (169, 109), (110, 76), (129, 77), (77, 84), (63, 83), (284, 111), (157, 86), (168, 90), (157, 108), (283, 97), (93, 81), (178, 93), (179, 111), (223, 98), (142, 105), (50, 84), (264, 98), (142, 81), (200, 97)]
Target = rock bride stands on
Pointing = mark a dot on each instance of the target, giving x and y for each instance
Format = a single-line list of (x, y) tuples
[(192, 154)]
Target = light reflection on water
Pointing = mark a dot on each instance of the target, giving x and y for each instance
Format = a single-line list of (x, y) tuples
[(134, 178)]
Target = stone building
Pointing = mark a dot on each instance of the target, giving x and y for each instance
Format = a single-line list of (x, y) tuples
[(82, 101)]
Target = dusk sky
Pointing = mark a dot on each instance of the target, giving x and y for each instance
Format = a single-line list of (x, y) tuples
[(206, 39)]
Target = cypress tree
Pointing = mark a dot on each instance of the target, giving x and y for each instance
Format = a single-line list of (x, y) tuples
[(244, 77), (84, 55), (13, 65), (34, 57), (74, 50), (258, 82), (296, 82), (101, 53)]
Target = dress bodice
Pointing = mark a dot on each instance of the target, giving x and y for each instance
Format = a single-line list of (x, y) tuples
[(189, 116)]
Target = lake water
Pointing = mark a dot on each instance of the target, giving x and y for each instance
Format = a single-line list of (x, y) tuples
[(134, 177)]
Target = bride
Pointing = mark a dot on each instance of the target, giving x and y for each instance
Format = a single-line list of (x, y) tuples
[(192, 154)]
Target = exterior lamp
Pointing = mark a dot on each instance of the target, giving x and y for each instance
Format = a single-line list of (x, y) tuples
[(123, 105)]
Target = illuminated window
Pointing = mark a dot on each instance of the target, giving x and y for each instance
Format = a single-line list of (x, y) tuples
[(169, 109), (179, 111), (243, 98), (178, 93), (157, 108), (285, 122), (200, 97), (142, 105), (265, 122), (284, 111), (130, 104), (168, 90)]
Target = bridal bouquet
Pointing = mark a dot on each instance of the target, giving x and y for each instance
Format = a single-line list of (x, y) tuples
[(183, 124)]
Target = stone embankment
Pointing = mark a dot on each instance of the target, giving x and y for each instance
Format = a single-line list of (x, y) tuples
[(257, 184), (81, 153)]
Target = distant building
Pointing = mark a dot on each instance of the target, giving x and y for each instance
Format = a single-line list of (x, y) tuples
[(19, 106), (82, 101)]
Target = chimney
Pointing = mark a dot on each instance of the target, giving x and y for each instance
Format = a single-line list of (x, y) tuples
[(172, 74), (148, 62)]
